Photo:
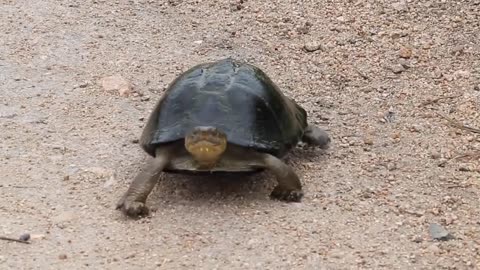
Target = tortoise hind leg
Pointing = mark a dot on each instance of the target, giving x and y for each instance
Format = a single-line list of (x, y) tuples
[(316, 136), (133, 201), (313, 135)]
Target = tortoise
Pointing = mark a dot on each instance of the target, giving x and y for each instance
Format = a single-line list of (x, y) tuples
[(222, 116)]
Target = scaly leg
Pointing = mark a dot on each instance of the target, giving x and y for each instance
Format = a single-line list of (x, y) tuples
[(289, 187), (133, 201)]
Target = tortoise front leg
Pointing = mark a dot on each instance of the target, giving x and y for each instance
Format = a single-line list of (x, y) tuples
[(289, 187), (133, 201)]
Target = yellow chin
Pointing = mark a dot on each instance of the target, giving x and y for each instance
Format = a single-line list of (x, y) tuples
[(206, 153)]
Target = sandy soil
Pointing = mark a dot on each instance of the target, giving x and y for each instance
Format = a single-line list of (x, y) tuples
[(377, 75)]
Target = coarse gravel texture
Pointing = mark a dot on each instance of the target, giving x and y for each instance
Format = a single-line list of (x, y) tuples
[(382, 77)]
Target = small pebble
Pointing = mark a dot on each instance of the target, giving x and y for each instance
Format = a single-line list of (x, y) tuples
[(404, 63), (436, 211), (368, 141), (238, 7), (405, 52), (24, 237), (438, 232), (389, 117), (417, 239), (312, 46), (62, 256), (457, 49), (397, 68), (442, 162), (117, 83), (415, 128), (437, 74), (450, 220), (465, 169)]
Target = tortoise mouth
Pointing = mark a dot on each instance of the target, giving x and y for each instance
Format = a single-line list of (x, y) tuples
[(206, 145)]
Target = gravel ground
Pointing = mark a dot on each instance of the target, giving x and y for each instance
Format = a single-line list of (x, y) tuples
[(394, 83)]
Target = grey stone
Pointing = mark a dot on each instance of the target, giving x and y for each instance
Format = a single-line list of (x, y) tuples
[(438, 232)]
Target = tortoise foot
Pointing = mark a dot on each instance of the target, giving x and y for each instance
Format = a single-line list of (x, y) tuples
[(317, 136), (132, 208), (288, 195)]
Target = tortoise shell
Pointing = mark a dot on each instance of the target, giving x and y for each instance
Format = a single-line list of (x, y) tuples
[(235, 97)]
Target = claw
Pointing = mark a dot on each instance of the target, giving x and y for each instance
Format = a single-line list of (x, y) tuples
[(132, 208), (287, 195)]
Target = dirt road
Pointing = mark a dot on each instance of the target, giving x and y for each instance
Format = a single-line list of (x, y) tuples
[(378, 76)]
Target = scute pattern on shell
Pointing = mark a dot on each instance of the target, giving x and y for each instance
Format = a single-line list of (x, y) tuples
[(237, 98)]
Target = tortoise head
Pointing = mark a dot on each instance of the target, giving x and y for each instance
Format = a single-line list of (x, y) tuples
[(206, 145)]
